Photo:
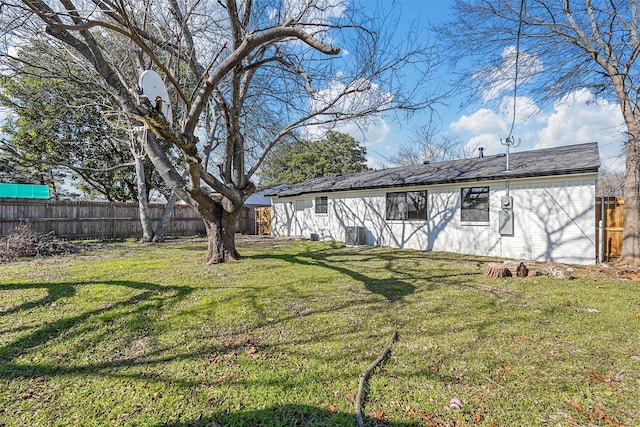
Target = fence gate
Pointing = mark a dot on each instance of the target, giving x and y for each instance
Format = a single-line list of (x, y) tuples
[(611, 211), (263, 221)]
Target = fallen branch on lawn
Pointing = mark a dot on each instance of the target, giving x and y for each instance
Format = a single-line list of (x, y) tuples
[(365, 376)]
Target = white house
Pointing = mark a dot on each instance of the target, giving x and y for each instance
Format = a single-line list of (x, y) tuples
[(541, 208)]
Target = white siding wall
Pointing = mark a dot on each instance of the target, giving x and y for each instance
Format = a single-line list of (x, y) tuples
[(554, 220)]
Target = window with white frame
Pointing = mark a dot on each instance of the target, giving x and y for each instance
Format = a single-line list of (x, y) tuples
[(407, 205), (322, 204), (475, 204)]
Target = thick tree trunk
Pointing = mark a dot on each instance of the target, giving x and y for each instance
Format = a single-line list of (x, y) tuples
[(219, 223), (215, 254), (221, 230), (631, 230), (229, 225)]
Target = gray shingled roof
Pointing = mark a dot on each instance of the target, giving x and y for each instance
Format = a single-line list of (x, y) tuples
[(261, 198), (566, 160)]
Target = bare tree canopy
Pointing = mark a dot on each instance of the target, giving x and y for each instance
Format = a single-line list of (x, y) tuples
[(242, 76), (429, 144), (551, 48), (610, 183), (564, 46)]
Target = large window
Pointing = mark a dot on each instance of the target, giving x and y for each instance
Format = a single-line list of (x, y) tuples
[(410, 205), (475, 204), (322, 204)]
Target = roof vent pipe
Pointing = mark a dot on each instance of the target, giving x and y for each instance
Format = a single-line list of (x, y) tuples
[(481, 152)]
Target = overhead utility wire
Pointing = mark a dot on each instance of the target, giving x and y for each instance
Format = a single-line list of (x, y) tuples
[(515, 83)]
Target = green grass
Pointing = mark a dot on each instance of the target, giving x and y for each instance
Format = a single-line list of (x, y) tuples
[(145, 335)]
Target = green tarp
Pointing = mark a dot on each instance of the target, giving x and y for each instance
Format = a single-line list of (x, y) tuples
[(24, 191)]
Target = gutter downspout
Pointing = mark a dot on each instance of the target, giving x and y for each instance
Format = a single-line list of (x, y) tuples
[(601, 232)]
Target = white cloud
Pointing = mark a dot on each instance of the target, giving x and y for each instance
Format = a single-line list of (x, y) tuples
[(10, 45), (526, 109), (483, 120), (484, 128), (486, 121), (501, 77), (356, 97), (371, 132), (317, 11), (489, 142), (4, 114), (581, 117), (373, 163), (577, 118), (339, 101), (316, 15)]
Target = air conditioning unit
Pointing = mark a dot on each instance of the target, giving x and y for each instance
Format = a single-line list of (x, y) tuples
[(355, 236)]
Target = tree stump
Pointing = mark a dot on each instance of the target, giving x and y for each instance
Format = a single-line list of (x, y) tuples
[(518, 269), (496, 269), (514, 269), (522, 270), (556, 270)]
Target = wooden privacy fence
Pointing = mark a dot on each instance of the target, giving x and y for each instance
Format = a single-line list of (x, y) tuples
[(93, 220), (611, 211)]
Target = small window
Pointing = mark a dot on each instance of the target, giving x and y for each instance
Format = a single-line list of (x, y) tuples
[(322, 204), (409, 205), (475, 204)]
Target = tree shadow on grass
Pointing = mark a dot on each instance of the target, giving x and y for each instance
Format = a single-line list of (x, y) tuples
[(283, 416), (69, 327), (55, 292), (395, 288), (392, 289)]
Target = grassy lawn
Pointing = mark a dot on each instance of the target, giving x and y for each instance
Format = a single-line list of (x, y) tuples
[(145, 335)]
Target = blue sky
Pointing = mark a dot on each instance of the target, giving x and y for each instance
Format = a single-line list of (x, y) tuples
[(578, 118)]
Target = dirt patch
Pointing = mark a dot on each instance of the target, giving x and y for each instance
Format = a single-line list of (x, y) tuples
[(615, 271)]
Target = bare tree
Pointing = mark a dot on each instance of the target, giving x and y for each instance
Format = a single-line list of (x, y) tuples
[(428, 144), (610, 183), (224, 62), (556, 47)]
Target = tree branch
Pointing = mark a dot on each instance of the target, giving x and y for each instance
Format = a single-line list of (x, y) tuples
[(5, 146), (249, 43), (365, 376)]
